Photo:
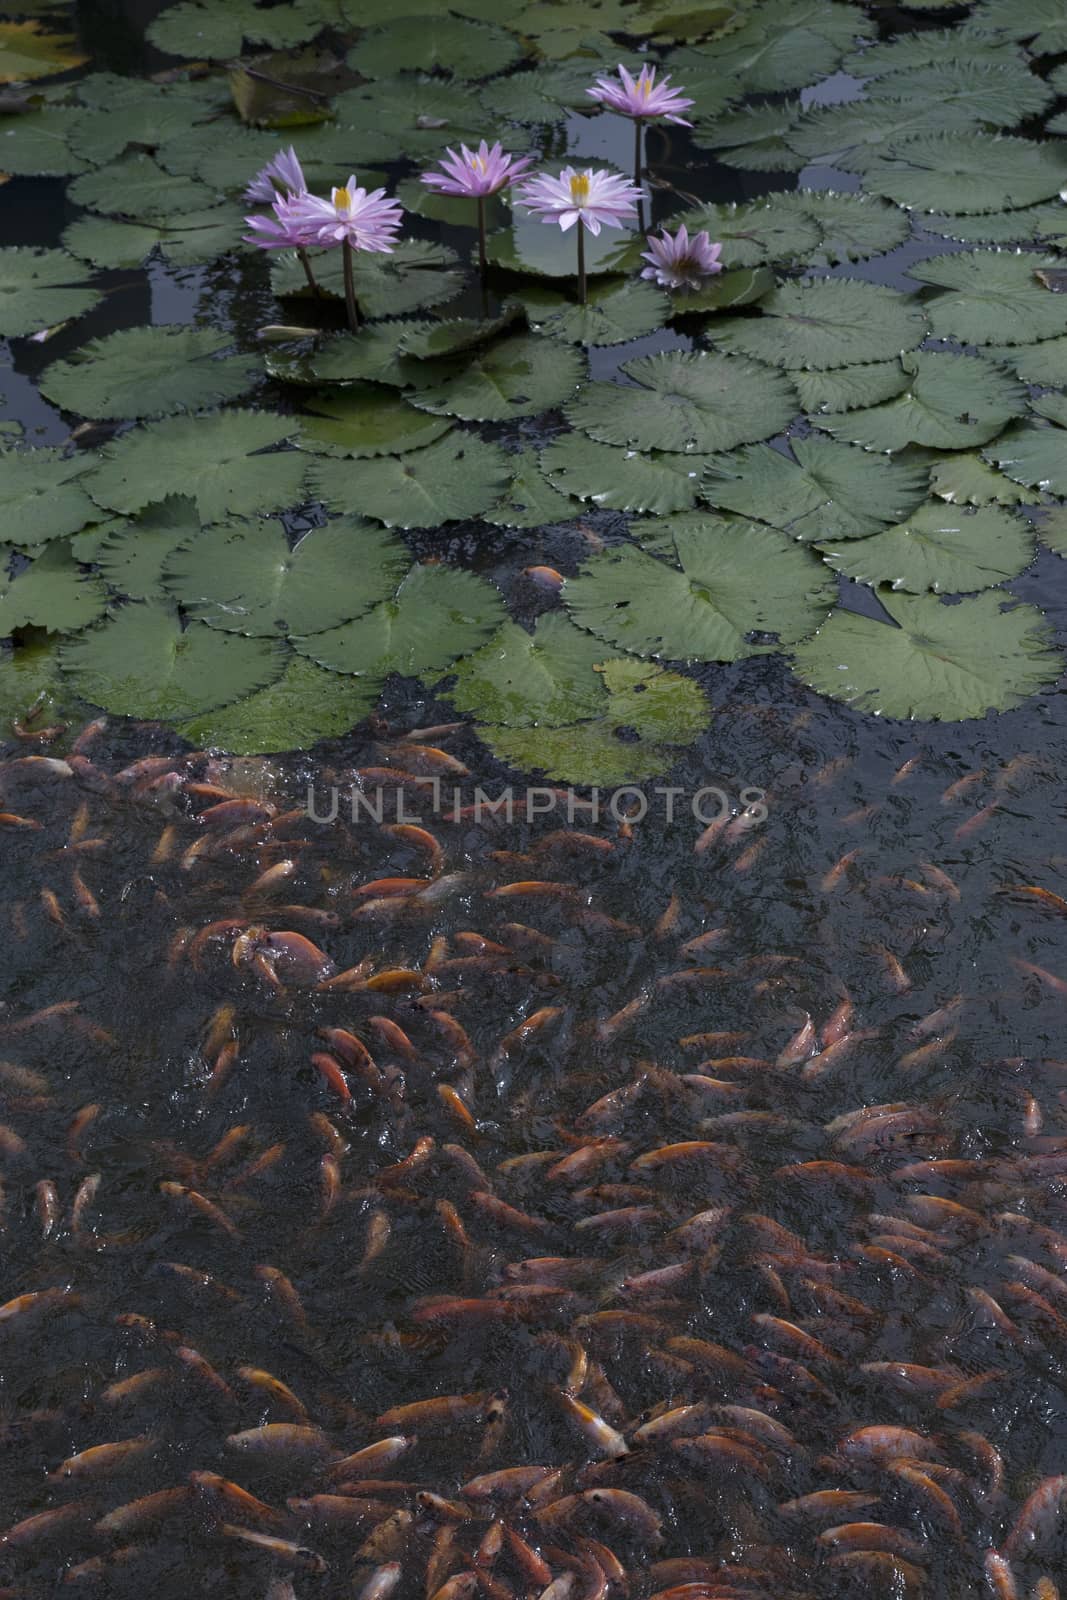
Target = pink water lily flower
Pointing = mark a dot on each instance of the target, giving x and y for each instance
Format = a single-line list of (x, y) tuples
[(596, 198), (681, 262), (351, 216), (642, 97), (475, 173), (281, 176), (287, 229)]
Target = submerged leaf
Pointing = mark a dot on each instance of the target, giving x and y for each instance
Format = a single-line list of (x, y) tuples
[(146, 372)]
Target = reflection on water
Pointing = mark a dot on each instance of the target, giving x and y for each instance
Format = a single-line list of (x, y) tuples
[(680, 1159)]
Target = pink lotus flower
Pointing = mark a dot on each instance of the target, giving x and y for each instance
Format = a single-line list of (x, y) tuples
[(681, 262), (286, 230), (350, 216), (282, 176), (642, 97), (594, 198), (474, 174)]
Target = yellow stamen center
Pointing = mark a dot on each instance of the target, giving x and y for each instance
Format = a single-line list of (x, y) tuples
[(580, 188), (342, 199), (646, 87), (478, 164)]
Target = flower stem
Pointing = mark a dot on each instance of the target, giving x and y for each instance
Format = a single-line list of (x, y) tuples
[(581, 261), (305, 262), (351, 305), (637, 152), (483, 259)]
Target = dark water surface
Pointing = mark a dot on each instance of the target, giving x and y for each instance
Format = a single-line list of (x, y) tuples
[(191, 1197)]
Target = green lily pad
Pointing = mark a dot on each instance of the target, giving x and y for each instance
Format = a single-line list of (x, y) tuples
[(744, 580), (370, 356), (621, 480), (245, 578), (1032, 455), (826, 491), (361, 421), (53, 593), (458, 211), (532, 244), (966, 480), (420, 115), (146, 372), (40, 288), (42, 143), (941, 662), (1036, 363), (848, 388), (216, 30), (825, 322), (219, 459), (1050, 525), (439, 44), (686, 402), (617, 310), (140, 663), (428, 341), (531, 501), (195, 237), (1052, 406), (27, 51), (128, 112), (458, 476), (950, 402), (539, 679), (516, 377), (416, 275), (1035, 224), (131, 554), (741, 287), (540, 95), (43, 496), (754, 233), (1001, 93), (1042, 22), (136, 186), (851, 135), (753, 138), (966, 172), (853, 227), (949, 551), (992, 297), (306, 704), (225, 154), (437, 615), (648, 713)]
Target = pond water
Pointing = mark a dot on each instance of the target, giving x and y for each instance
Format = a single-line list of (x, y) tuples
[(653, 1179)]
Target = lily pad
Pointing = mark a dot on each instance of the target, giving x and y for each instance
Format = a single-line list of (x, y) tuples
[(825, 322), (190, 239), (416, 275), (1001, 94), (1042, 22), (853, 227), (949, 551), (851, 135), (1032, 455), (141, 663), (1050, 525), (428, 341), (306, 704), (217, 29), (966, 172), (847, 388), (951, 402), (421, 115), (363, 421), (40, 288), (136, 186), (42, 143), (220, 460), (741, 287), (537, 679), (692, 403), (1036, 224), (43, 495), (132, 553), (458, 476), (531, 501), (966, 480), (992, 297), (825, 491), (30, 679), (744, 582), (532, 245), (754, 233), (146, 372), (616, 311), (910, 52), (371, 355), (437, 614), (28, 51), (516, 377), (621, 480), (1037, 363), (245, 578), (438, 44), (53, 593), (940, 662)]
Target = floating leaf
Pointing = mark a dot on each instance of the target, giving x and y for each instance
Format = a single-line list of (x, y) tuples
[(772, 53), (305, 705), (1001, 94), (966, 172), (458, 211), (27, 51), (966, 480), (362, 421), (421, 115), (140, 663), (219, 460), (531, 245), (245, 578), (1046, 222), (145, 372), (371, 355), (43, 496), (42, 143), (656, 534), (851, 135), (687, 402), (458, 476), (734, 580), (1036, 363), (741, 287), (137, 187), (516, 377), (647, 711), (616, 311), (415, 275), (909, 52), (846, 388), (441, 44), (39, 288), (53, 593), (224, 155), (1032, 455), (853, 227), (829, 491), (951, 552), (993, 298), (531, 501), (426, 341), (941, 662), (1050, 525), (539, 95), (950, 402), (128, 112), (195, 237), (825, 322), (132, 554), (1052, 406), (621, 480), (1042, 22), (217, 29), (534, 679), (753, 138), (754, 233), (437, 615)]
